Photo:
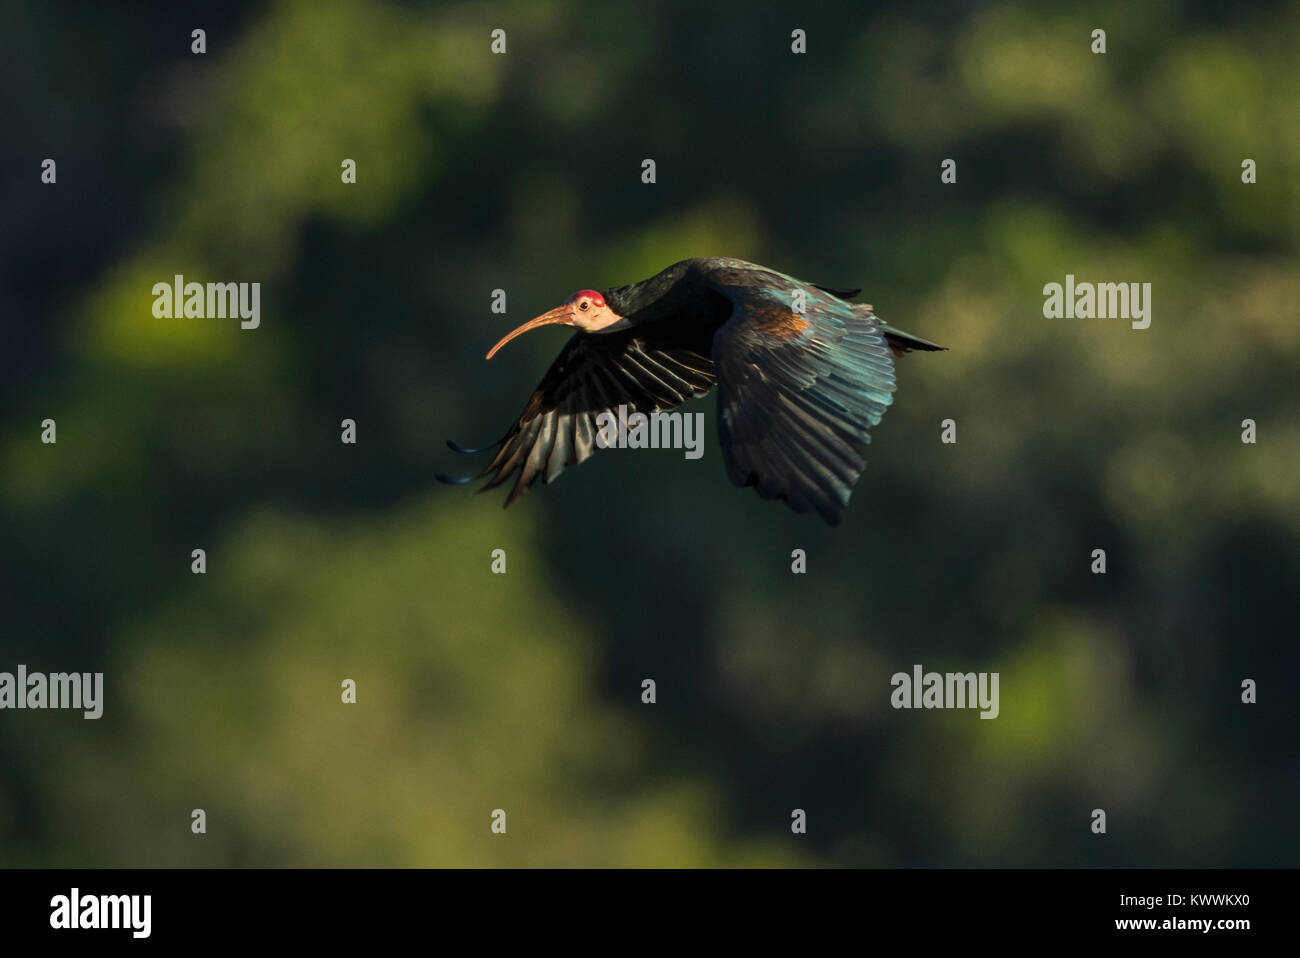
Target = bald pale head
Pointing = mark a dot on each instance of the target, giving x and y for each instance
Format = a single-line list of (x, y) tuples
[(585, 309)]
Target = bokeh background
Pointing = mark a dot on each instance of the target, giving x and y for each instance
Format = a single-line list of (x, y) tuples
[(522, 691)]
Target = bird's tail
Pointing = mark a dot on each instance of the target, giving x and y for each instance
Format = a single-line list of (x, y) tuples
[(901, 342)]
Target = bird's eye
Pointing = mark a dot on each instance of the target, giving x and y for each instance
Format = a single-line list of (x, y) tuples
[(584, 304)]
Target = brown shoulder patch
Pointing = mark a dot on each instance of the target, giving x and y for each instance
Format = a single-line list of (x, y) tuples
[(776, 322)]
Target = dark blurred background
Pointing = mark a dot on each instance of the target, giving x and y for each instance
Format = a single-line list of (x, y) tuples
[(474, 171)]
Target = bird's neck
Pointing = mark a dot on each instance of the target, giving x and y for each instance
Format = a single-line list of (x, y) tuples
[(668, 294)]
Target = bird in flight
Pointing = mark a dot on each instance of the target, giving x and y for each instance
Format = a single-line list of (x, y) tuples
[(802, 375)]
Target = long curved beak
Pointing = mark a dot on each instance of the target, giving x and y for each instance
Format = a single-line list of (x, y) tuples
[(559, 314)]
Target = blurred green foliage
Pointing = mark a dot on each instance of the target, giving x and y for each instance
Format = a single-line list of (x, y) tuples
[(523, 691)]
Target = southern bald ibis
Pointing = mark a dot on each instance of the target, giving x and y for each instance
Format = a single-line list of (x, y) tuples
[(802, 376)]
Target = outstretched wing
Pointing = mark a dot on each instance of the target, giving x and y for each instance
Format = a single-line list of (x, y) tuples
[(798, 392), (594, 373)]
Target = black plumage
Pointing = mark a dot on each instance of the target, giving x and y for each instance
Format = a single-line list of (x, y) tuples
[(800, 384)]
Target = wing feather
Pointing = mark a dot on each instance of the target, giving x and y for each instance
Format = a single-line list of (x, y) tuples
[(798, 393), (641, 368)]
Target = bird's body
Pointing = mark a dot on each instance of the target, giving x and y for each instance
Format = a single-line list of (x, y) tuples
[(802, 376)]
